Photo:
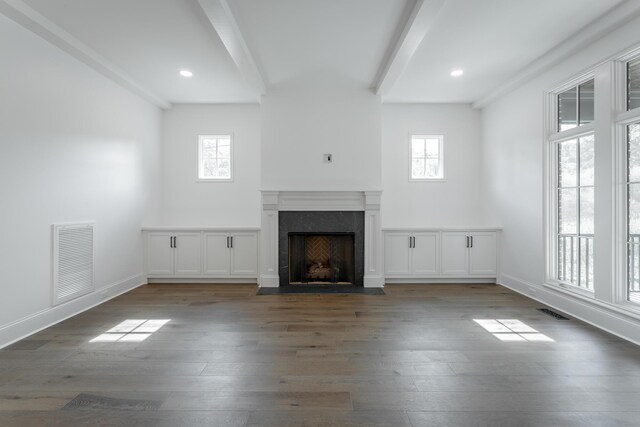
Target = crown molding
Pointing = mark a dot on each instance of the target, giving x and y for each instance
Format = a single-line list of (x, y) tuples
[(615, 18)]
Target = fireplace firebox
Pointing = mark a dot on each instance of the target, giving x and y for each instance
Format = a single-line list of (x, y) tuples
[(321, 247), (321, 258)]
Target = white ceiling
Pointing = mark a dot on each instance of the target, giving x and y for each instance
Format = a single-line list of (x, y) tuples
[(306, 42), (491, 40)]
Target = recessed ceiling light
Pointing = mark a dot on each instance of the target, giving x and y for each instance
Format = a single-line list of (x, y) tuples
[(457, 73), (186, 73)]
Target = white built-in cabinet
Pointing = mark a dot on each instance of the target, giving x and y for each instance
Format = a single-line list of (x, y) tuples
[(201, 254), (445, 254)]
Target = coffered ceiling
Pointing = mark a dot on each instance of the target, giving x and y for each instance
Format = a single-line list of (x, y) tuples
[(238, 50)]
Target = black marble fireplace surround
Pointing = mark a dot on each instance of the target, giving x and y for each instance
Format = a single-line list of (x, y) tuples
[(320, 222)]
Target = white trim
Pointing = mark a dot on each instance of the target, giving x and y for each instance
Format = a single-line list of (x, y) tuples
[(29, 325), (204, 280), (215, 136), (440, 281), (608, 317)]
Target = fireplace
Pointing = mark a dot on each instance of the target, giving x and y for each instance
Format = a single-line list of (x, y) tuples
[(321, 247), (321, 258)]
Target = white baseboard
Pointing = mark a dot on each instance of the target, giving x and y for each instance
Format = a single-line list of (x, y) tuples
[(29, 325), (249, 281), (412, 281), (269, 281), (373, 281), (593, 313)]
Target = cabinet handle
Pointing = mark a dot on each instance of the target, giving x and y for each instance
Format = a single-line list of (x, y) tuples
[(231, 246), (227, 242), (471, 241), (175, 242), (171, 242), (414, 241), (467, 241), (410, 242)]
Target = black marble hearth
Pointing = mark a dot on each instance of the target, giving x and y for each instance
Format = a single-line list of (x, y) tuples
[(292, 222)]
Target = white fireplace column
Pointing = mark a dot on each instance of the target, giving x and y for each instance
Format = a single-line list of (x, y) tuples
[(373, 271), (367, 201)]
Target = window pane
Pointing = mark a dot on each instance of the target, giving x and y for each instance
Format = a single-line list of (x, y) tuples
[(417, 148), (587, 155), (223, 168), (567, 163), (586, 263), (633, 270), (567, 109), (418, 168), (432, 147), (224, 149), (432, 168), (586, 102), (567, 258), (586, 210), (633, 81), (634, 209), (634, 152), (567, 211)]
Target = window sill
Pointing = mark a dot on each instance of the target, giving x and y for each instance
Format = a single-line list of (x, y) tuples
[(200, 180), (625, 308), (423, 180)]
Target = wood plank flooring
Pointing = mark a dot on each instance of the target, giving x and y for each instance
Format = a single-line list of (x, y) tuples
[(414, 357)]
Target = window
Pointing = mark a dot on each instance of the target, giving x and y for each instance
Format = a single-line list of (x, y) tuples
[(633, 212), (575, 106), (572, 199), (427, 160), (214, 158), (575, 212), (633, 84)]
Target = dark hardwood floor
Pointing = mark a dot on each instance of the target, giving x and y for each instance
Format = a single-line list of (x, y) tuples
[(414, 357)]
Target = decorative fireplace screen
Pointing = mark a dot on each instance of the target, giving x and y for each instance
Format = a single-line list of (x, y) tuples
[(321, 258)]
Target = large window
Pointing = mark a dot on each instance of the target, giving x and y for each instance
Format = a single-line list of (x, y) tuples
[(575, 213), (214, 158), (427, 160), (572, 202)]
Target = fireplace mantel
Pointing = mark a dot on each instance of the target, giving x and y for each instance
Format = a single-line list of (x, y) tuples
[(275, 201)]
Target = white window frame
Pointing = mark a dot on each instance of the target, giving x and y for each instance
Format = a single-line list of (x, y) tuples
[(623, 118), (553, 136), (441, 157), (229, 135)]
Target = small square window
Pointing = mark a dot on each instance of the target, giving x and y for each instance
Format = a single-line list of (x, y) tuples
[(633, 84), (215, 158), (426, 158)]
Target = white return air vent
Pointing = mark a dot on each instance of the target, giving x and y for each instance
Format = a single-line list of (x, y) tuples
[(73, 261)]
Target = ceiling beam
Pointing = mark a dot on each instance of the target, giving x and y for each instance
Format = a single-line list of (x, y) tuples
[(603, 25), (420, 19), (29, 18), (224, 23)]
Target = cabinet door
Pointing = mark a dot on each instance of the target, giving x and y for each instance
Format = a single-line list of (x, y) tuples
[(188, 259), (483, 254), (159, 254), (397, 254), (217, 254), (425, 253), (244, 253), (454, 254)]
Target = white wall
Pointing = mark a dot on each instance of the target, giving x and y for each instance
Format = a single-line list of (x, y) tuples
[(456, 201), (74, 146), (189, 202), (513, 142), (300, 124)]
